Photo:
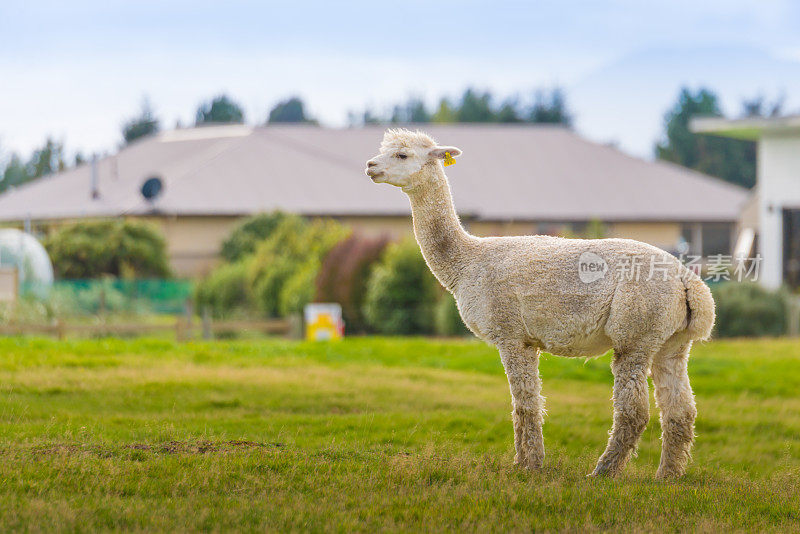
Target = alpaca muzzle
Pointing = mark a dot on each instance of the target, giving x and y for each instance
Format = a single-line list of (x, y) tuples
[(372, 172)]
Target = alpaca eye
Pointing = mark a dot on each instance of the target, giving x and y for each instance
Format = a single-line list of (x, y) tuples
[(401, 156)]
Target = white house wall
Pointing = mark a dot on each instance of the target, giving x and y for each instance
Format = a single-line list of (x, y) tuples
[(779, 187)]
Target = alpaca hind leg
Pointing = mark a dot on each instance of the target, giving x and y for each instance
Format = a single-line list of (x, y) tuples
[(675, 400), (631, 412), (521, 363)]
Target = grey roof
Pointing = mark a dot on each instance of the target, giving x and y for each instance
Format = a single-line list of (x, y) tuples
[(532, 173)]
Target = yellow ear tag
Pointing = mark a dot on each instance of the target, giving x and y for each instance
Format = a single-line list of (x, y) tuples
[(448, 159)]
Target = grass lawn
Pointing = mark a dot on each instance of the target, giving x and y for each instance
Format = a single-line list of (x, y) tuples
[(373, 434)]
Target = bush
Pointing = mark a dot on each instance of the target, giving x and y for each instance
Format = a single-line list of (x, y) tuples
[(748, 310), (245, 238), (298, 290), (343, 277), (91, 249), (295, 249), (90, 298), (448, 321), (225, 290), (401, 292)]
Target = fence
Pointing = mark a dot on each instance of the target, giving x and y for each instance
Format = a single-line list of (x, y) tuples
[(137, 307), (130, 297), (183, 329), (112, 307)]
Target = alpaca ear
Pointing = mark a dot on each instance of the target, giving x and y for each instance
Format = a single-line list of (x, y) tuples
[(440, 152)]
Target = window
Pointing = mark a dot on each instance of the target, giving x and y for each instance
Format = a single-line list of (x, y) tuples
[(716, 239), (707, 239)]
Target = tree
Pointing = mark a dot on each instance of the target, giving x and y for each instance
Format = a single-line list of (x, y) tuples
[(220, 110), (283, 269), (401, 292), (343, 276), (476, 107), (225, 291), (143, 125), (445, 112), (417, 112), (14, 174), (759, 107), (126, 249), (550, 108), (413, 111), (508, 112), (46, 160), (398, 115), (291, 110), (369, 117), (246, 236), (732, 160)]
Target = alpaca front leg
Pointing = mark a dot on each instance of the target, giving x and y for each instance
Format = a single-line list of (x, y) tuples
[(675, 399), (522, 369), (631, 412)]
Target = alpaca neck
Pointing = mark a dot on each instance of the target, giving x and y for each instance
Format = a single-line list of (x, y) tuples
[(436, 226)]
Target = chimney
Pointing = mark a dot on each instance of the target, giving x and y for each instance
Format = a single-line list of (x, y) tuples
[(95, 181)]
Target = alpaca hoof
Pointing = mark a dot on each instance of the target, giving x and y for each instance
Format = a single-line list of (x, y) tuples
[(668, 474), (531, 464), (602, 470)]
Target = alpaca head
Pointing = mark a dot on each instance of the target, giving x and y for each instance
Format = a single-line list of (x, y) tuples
[(404, 154)]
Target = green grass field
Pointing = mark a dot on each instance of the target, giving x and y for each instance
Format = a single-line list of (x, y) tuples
[(373, 434)]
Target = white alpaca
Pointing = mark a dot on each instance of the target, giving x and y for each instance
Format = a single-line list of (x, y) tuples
[(571, 297)]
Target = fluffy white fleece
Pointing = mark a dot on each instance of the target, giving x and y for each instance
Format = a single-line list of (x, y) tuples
[(570, 297)]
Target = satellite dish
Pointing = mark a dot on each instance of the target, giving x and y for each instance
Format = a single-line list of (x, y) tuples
[(151, 188)]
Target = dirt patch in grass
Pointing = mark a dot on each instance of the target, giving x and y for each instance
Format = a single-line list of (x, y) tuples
[(169, 447)]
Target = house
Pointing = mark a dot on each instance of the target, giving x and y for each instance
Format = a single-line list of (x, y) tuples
[(510, 180), (773, 216)]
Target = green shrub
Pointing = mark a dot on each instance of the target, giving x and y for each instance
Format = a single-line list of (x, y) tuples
[(296, 247), (26, 310), (748, 310), (120, 248), (447, 320), (245, 238), (299, 288), (401, 292), (225, 291), (343, 277), (90, 298)]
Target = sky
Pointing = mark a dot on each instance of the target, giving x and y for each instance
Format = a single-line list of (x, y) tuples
[(77, 70)]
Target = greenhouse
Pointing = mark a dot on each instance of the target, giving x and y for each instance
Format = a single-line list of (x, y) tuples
[(22, 253)]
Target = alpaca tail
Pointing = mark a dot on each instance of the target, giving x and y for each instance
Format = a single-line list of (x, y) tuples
[(700, 312)]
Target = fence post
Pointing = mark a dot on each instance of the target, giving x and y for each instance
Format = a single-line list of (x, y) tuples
[(60, 330), (102, 303), (296, 326), (179, 330), (206, 323), (794, 315), (188, 310)]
